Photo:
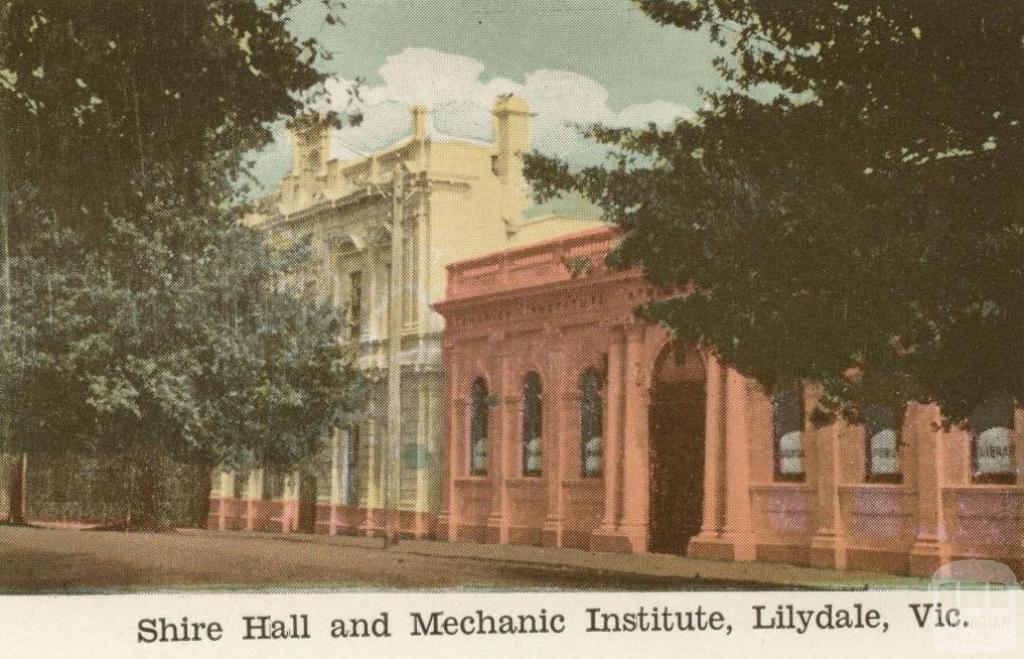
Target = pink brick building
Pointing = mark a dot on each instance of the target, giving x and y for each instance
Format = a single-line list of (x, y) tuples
[(572, 423)]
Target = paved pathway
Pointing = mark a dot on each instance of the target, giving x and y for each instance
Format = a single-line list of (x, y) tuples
[(56, 560)]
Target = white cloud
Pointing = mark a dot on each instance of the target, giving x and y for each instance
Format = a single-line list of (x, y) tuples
[(459, 96)]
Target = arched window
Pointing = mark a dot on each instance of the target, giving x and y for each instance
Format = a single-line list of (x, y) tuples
[(788, 426), (991, 443), (590, 424), (882, 444), (532, 413), (478, 429)]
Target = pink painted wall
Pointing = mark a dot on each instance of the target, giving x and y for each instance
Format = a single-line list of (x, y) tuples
[(524, 310)]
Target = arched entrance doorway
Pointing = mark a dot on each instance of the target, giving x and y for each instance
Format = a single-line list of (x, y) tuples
[(676, 449)]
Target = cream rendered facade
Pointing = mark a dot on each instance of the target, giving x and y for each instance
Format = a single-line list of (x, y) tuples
[(425, 202)]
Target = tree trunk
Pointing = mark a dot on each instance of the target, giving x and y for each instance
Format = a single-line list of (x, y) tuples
[(205, 489), (149, 490), (17, 483), (18, 491)]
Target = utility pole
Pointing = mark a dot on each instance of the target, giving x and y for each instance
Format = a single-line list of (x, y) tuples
[(391, 462)]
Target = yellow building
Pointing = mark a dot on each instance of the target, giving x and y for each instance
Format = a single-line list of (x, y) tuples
[(423, 203)]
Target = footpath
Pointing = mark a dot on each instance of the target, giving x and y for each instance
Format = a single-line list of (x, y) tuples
[(767, 575)]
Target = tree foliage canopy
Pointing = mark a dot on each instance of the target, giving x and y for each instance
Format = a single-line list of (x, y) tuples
[(145, 316), (849, 202)]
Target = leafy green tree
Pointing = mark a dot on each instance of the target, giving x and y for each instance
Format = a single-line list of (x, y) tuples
[(846, 207), (186, 342), (145, 319)]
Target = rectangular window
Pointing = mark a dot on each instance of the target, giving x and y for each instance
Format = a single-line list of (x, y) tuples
[(351, 487), (591, 419), (240, 485), (882, 443), (273, 484), (355, 304), (478, 429), (532, 415), (788, 426), (991, 441)]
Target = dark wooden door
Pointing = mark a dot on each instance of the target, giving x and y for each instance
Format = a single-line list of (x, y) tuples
[(677, 465)]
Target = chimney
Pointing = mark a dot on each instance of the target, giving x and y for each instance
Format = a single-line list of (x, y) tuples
[(511, 141), (511, 137), (419, 122)]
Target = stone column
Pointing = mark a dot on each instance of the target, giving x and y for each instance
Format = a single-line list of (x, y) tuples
[(828, 546), (502, 444), (554, 406), (453, 412), (737, 529), (422, 473), (372, 298), (372, 478), (931, 549), (225, 480), (253, 484), (611, 458), (636, 463), (707, 543), (339, 475), (421, 301), (289, 502)]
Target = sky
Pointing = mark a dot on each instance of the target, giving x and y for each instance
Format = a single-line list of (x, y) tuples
[(574, 61)]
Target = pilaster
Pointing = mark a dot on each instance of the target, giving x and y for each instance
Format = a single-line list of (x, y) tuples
[(224, 491), (636, 462), (828, 546), (339, 475), (708, 543), (501, 460), (737, 528), (931, 548), (369, 527), (454, 410)]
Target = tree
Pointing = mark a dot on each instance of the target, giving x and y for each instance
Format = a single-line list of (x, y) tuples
[(847, 208), (180, 343), (126, 129)]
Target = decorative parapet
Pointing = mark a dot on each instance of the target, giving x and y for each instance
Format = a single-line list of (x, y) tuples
[(556, 260)]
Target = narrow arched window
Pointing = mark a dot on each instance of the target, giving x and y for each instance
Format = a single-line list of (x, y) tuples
[(788, 426), (532, 413), (882, 443), (991, 441), (478, 429), (591, 431)]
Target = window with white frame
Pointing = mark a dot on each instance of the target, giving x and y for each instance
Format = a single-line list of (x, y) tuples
[(532, 421), (882, 444), (591, 432), (991, 441), (788, 427), (478, 428)]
